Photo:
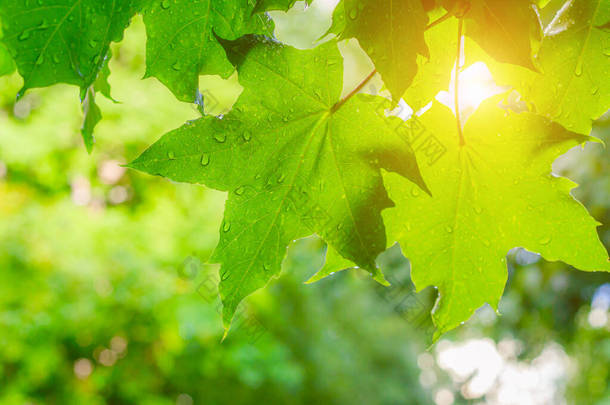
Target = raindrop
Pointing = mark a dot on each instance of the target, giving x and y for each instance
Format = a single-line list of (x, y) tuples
[(226, 227), (240, 190), (165, 4), (171, 155), (40, 60), (578, 70), (220, 137), (205, 159), (449, 229), (545, 241), (24, 35), (247, 136)]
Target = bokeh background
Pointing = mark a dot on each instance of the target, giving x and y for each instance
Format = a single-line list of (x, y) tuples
[(105, 297)]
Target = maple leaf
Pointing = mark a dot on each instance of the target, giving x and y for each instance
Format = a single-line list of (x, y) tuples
[(295, 160), (182, 40), (65, 41), (571, 87), (391, 32), (504, 29), (492, 194)]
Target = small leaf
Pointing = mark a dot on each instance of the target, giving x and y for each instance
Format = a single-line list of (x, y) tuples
[(504, 29), (182, 40), (391, 32), (92, 116)]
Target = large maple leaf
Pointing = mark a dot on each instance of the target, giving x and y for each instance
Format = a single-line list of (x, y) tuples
[(295, 160), (492, 194)]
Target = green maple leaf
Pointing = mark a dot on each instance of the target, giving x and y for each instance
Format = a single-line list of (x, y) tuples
[(572, 87), (182, 40), (65, 41), (434, 72), (295, 161), (492, 194), (269, 5), (391, 32), (504, 29)]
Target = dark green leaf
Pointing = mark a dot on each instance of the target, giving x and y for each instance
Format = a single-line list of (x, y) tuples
[(391, 32), (182, 41)]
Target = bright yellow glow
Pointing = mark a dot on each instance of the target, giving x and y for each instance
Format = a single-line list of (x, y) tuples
[(475, 85)]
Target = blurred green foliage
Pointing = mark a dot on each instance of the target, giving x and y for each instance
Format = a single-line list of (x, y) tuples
[(102, 284)]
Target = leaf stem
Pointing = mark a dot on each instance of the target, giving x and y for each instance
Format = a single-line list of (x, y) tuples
[(353, 92), (439, 20), (340, 103), (456, 92)]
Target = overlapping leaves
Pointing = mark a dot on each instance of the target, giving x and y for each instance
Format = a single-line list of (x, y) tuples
[(296, 159), (182, 40), (571, 87)]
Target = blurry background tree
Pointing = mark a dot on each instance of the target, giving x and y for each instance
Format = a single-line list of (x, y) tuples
[(103, 297)]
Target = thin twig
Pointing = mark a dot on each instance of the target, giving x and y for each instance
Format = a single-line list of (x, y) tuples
[(353, 92), (439, 20)]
